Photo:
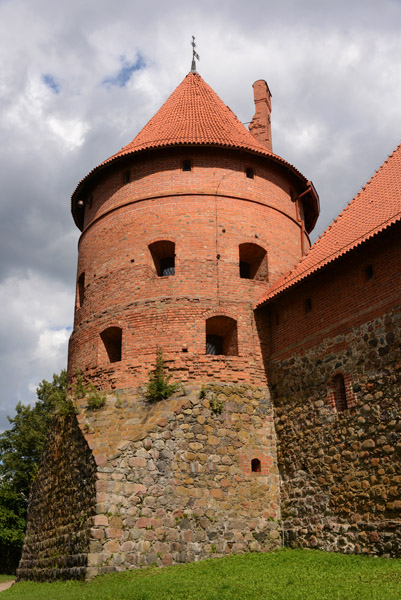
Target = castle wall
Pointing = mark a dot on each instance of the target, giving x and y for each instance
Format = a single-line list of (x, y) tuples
[(175, 482), (340, 469), (61, 507)]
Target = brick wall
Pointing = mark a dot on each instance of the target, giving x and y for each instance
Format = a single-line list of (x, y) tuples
[(340, 469), (207, 213)]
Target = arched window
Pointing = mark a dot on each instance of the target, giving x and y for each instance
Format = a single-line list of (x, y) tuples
[(81, 290), (112, 342), (256, 466), (163, 255), (340, 394), (221, 336), (252, 262)]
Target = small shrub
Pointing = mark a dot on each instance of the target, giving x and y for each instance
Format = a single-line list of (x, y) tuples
[(159, 386), (216, 406), (95, 399)]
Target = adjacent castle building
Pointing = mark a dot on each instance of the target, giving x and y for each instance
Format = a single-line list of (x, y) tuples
[(285, 427)]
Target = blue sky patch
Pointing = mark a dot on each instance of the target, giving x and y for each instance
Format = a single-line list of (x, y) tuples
[(124, 74), (51, 83)]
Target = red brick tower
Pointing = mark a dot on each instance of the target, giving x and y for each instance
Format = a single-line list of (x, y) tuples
[(182, 231)]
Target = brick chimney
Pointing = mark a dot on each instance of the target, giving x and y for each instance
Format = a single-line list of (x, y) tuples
[(260, 126)]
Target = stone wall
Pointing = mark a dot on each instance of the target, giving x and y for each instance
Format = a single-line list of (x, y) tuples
[(341, 473), (61, 507), (174, 478)]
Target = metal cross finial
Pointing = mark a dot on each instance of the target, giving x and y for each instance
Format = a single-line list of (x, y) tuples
[(194, 55)]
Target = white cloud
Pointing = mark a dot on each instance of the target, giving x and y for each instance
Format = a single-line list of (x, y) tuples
[(333, 69)]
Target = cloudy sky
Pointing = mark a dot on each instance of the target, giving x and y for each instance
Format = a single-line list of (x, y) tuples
[(79, 79)]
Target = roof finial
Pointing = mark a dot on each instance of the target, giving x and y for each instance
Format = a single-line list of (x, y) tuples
[(194, 55)]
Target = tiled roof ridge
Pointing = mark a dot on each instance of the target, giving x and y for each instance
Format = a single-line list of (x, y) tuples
[(286, 279), (302, 270), (351, 202)]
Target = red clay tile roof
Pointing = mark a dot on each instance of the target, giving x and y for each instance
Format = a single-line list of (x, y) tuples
[(193, 114), (374, 208)]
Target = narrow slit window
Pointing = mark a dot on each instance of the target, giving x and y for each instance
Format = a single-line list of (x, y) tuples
[(369, 272), (221, 336), (81, 290), (256, 466), (340, 394), (308, 305), (112, 343), (126, 177), (163, 255), (249, 172), (253, 262), (186, 165)]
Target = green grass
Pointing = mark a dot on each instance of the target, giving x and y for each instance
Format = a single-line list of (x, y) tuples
[(4, 578), (283, 575)]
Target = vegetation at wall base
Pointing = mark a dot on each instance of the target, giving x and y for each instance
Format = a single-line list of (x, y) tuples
[(282, 575), (20, 450)]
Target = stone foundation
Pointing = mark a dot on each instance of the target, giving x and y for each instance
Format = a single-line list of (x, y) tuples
[(341, 473), (61, 507), (174, 484)]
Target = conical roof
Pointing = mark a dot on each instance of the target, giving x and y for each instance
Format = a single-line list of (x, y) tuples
[(375, 208), (193, 115)]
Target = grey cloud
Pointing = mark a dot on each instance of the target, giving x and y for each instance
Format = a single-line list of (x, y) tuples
[(333, 69)]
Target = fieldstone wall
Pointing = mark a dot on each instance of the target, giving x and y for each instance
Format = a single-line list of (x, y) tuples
[(61, 507), (341, 471), (174, 478)]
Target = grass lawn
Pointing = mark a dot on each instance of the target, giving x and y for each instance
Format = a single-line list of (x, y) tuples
[(283, 575), (4, 578)]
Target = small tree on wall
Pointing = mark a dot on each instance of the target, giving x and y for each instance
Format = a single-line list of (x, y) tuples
[(159, 386)]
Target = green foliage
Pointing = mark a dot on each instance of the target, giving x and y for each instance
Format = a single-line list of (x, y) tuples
[(21, 445), (12, 526), (159, 386), (282, 575), (20, 450), (95, 399), (216, 406)]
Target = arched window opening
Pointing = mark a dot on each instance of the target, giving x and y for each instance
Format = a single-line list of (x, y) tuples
[(340, 395), (163, 254), (256, 466), (214, 344), (252, 262), (221, 336), (112, 341), (81, 290)]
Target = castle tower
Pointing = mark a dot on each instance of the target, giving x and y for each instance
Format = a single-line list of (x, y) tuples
[(183, 230)]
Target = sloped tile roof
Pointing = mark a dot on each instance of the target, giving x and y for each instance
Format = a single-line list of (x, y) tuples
[(374, 208), (193, 115)]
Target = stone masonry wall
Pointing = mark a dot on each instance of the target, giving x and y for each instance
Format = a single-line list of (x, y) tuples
[(341, 473), (61, 506), (174, 478)]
